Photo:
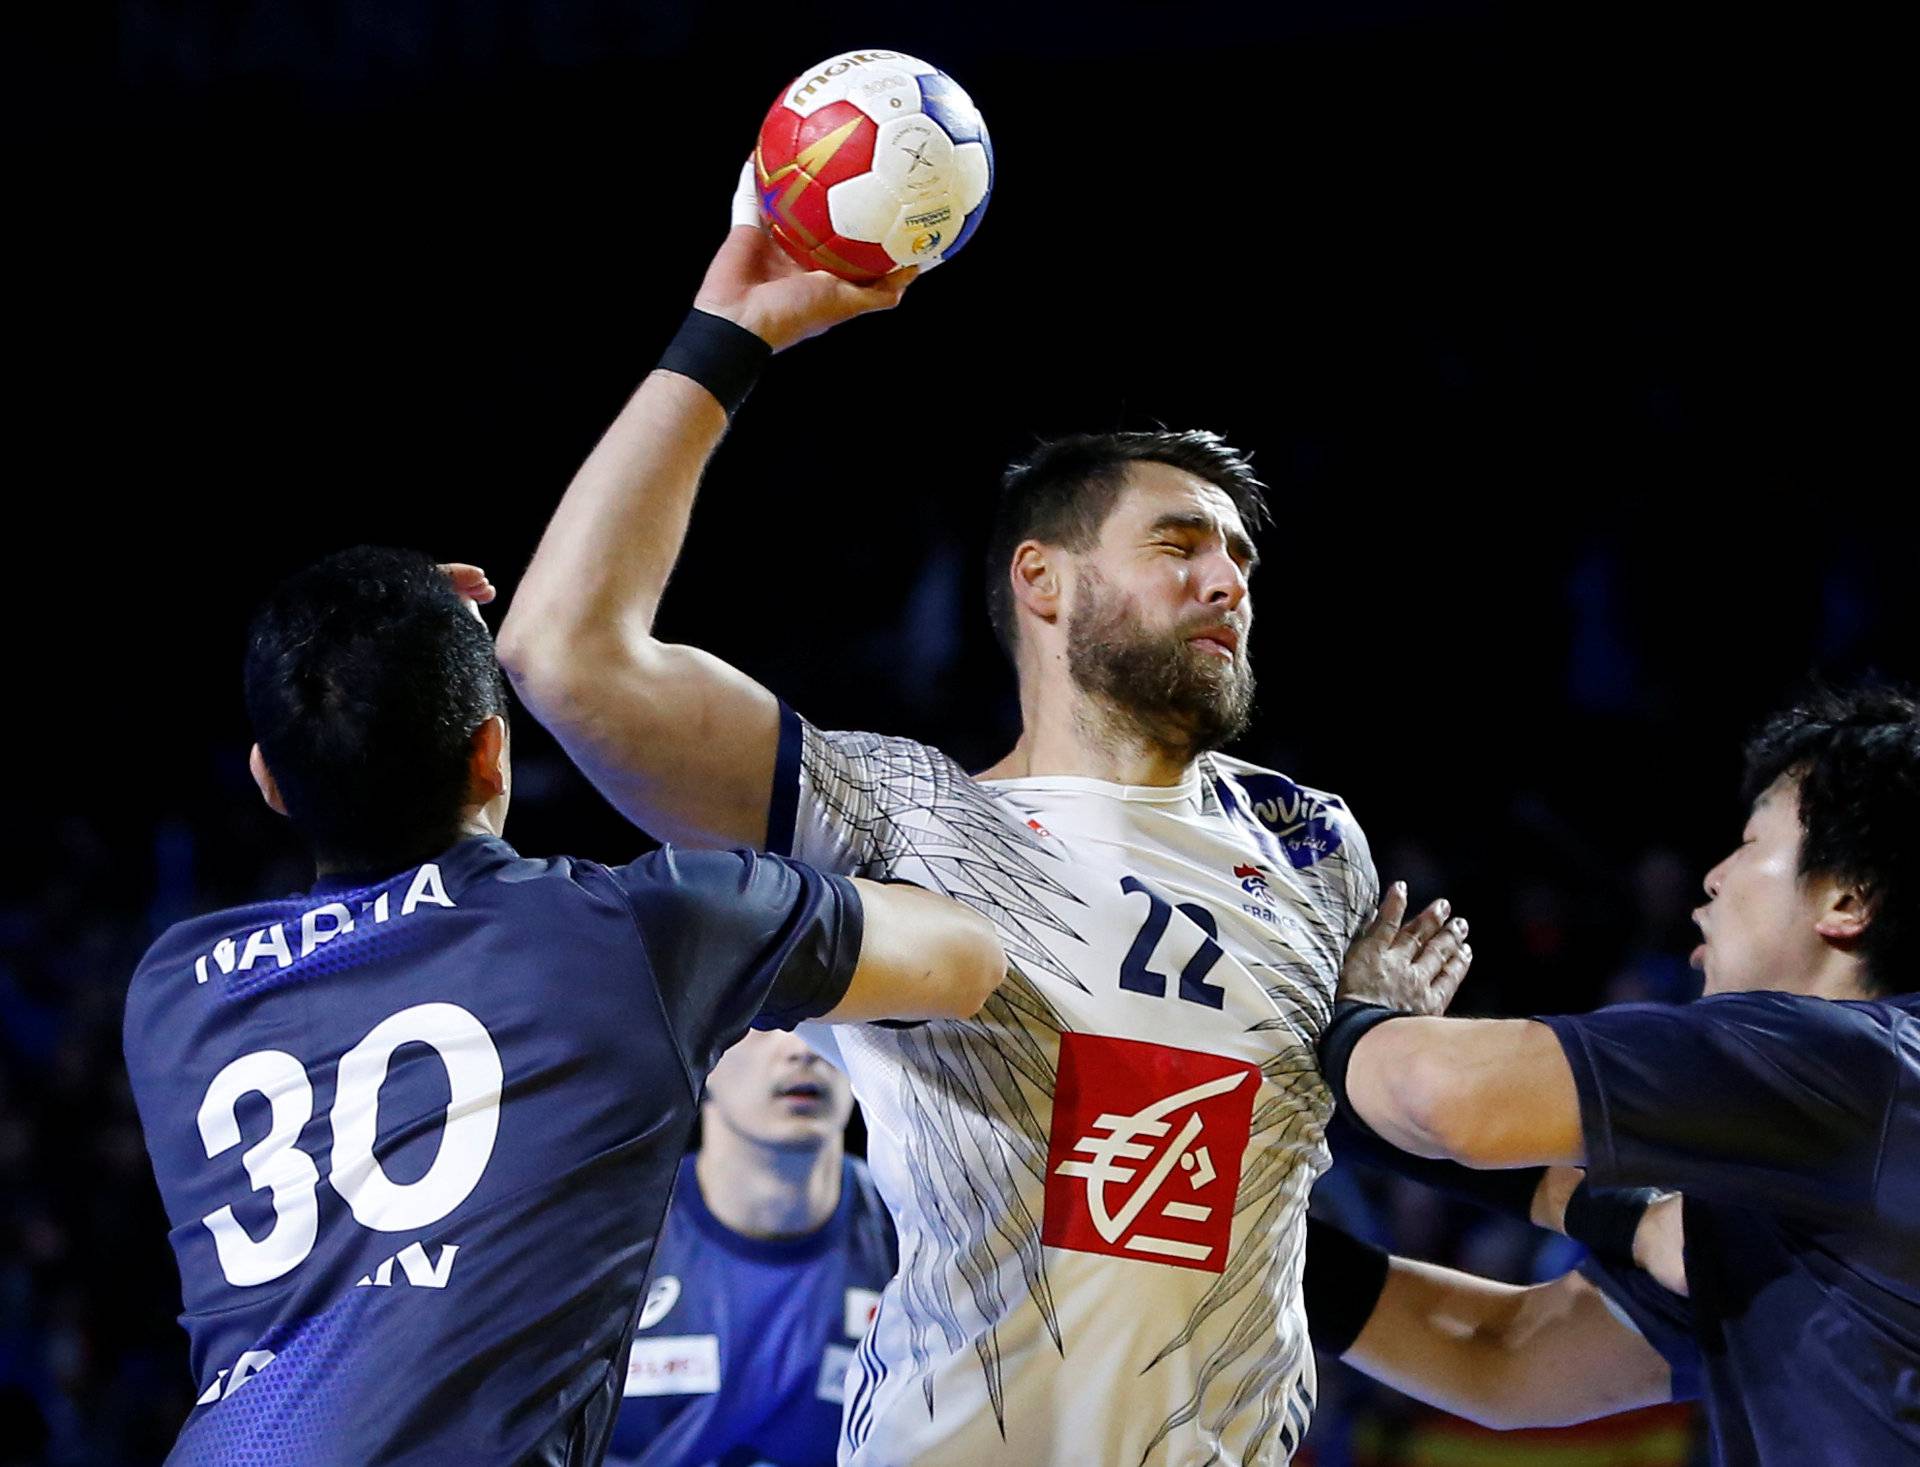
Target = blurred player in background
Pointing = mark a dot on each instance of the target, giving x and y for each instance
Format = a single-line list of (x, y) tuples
[(1784, 1105), (773, 1257), (1101, 1183), (388, 1115)]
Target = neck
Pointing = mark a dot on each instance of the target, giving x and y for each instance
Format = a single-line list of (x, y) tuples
[(1838, 975), (765, 1192), (1066, 731), (475, 820)]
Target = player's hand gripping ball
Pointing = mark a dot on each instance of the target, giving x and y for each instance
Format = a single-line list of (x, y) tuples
[(871, 161)]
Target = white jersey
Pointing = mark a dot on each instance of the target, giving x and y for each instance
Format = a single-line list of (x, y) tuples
[(1100, 1182)]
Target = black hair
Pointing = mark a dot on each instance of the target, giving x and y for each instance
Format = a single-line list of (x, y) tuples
[(366, 677), (1063, 493), (1855, 757)]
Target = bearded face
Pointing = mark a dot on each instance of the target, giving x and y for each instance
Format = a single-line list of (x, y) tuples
[(1181, 698)]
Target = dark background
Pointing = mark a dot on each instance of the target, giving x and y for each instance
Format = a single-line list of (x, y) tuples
[(1571, 339)]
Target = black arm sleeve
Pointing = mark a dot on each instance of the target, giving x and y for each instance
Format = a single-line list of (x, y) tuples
[(1340, 1283)]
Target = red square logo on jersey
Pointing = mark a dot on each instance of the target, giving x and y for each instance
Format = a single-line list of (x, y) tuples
[(1144, 1160)]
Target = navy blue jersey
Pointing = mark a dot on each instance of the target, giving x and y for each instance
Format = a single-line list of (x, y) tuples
[(415, 1139), (742, 1352), (1792, 1125)]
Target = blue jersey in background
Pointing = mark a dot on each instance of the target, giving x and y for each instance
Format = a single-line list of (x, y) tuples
[(744, 1344), (415, 1138)]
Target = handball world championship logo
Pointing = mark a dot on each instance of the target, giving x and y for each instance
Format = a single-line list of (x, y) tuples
[(1144, 1156), (1302, 823)]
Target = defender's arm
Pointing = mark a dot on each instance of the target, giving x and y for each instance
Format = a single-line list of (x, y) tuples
[(1504, 1355), (1486, 1092)]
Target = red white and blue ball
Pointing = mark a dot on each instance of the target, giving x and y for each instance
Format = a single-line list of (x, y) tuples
[(872, 161)]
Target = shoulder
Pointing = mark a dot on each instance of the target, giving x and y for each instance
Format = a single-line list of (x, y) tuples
[(1310, 823), (1758, 1019), (1791, 1043), (879, 755), (1265, 784), (1797, 1016), (174, 953), (690, 871)]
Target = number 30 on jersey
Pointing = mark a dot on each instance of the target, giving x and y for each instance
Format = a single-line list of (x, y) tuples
[(275, 1164)]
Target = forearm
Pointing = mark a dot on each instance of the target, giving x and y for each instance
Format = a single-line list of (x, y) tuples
[(680, 742), (1503, 1355), (596, 581), (1485, 1092)]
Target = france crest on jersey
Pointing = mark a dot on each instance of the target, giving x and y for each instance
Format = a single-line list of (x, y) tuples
[(415, 1137)]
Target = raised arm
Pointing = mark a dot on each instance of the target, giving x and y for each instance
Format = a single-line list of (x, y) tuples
[(680, 742)]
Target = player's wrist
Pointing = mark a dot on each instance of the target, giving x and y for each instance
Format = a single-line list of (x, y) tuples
[(1607, 1219), (1353, 1019), (721, 354)]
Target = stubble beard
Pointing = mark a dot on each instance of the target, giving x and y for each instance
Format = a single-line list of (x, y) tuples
[(1154, 688)]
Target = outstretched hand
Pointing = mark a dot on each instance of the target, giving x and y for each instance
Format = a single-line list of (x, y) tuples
[(756, 284), (1416, 967)]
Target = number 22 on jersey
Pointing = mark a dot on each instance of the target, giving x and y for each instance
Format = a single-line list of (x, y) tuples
[(1135, 974)]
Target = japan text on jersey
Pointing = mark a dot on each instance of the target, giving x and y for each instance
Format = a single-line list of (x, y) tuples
[(1103, 1176)]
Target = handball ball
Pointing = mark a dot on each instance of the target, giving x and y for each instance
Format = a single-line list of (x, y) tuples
[(871, 161)]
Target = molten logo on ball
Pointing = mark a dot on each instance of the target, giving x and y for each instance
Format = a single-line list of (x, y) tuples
[(863, 156)]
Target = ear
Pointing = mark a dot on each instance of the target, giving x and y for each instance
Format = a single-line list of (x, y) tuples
[(1037, 579), (1845, 914), (263, 776), (487, 761)]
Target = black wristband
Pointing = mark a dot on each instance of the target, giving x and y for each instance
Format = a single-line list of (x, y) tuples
[(1606, 1218), (1340, 1283), (723, 358), (1351, 1020)]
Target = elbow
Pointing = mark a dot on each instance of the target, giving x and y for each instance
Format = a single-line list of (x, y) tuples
[(560, 673), (545, 676), (534, 663), (977, 966), (538, 657), (1439, 1110)]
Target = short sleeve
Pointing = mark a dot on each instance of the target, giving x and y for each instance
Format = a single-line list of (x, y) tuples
[(841, 800), (738, 940), (1767, 1100), (1362, 877), (1664, 1319)]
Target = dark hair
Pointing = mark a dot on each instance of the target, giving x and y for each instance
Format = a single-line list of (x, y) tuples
[(1064, 492), (366, 677), (1855, 754)]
